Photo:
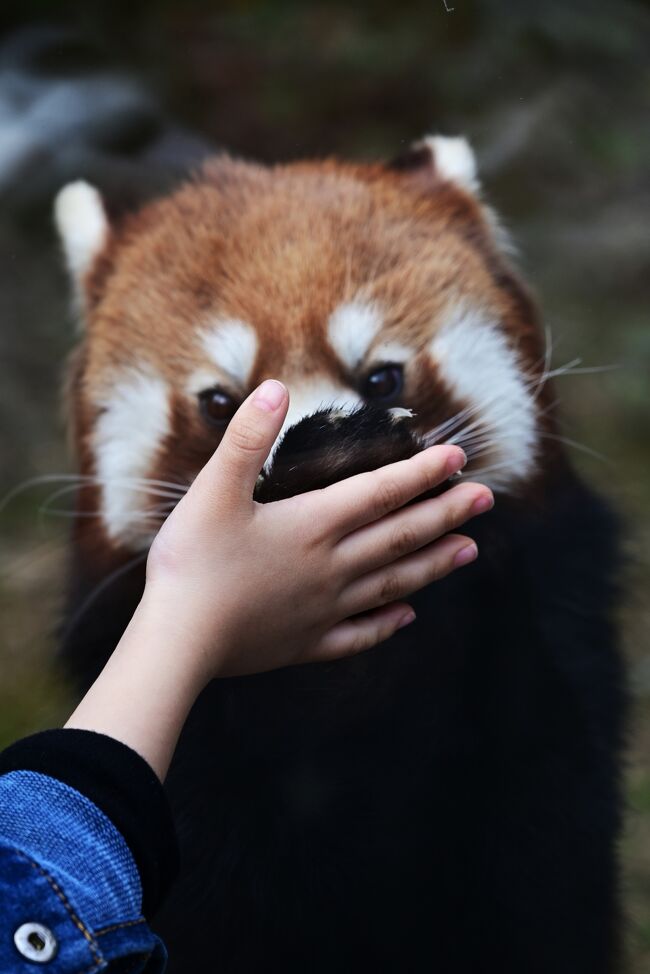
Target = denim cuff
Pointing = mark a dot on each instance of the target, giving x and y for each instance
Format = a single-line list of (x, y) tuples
[(121, 784)]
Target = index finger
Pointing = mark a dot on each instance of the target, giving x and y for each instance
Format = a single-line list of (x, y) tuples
[(366, 497)]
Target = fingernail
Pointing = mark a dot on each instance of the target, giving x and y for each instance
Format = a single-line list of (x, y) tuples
[(456, 461), (269, 395), (406, 619), (465, 555), (484, 503)]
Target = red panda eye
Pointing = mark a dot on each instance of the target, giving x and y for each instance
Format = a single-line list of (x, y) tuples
[(216, 406), (384, 383)]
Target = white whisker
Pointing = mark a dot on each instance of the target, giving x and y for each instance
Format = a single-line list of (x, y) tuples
[(587, 370), (141, 489), (576, 445), (35, 482), (76, 481), (137, 516), (434, 435), (478, 425), (472, 454), (481, 472)]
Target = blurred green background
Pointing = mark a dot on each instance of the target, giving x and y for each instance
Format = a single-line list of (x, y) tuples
[(554, 97)]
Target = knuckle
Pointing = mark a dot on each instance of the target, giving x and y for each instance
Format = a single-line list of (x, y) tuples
[(438, 567), (390, 588), (402, 541), (388, 498), (432, 472), (452, 517), (360, 641), (246, 438), (436, 572), (429, 478)]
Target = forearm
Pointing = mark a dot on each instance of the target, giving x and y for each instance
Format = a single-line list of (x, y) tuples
[(144, 693)]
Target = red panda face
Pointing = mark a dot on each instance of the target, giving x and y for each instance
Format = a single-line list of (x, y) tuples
[(351, 284)]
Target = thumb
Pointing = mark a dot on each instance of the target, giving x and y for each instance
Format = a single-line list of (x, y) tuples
[(237, 461)]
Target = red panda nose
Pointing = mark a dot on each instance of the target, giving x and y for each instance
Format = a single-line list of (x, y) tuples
[(330, 445)]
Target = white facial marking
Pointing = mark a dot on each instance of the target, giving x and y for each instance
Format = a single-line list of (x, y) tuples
[(201, 380), (454, 160), (232, 345), (481, 368), (392, 352), (309, 396), (128, 434), (82, 225), (352, 328)]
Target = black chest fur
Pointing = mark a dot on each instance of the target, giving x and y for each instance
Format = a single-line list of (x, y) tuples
[(448, 801)]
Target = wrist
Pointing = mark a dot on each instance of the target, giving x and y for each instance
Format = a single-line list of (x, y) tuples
[(144, 694), (172, 620)]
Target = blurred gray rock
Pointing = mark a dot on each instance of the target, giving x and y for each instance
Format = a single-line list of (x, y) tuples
[(65, 115)]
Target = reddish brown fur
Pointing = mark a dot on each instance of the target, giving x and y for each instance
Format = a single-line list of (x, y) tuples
[(280, 248)]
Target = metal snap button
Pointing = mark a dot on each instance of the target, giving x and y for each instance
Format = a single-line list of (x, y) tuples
[(35, 942)]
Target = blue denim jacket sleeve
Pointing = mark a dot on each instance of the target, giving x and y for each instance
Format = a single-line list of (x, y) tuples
[(66, 868)]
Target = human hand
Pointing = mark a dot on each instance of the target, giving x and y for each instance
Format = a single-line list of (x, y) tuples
[(243, 587), (235, 587)]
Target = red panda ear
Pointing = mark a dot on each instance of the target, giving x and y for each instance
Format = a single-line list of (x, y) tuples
[(440, 158), (83, 227)]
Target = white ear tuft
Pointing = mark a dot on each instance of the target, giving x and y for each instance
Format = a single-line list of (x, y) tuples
[(82, 224), (454, 160)]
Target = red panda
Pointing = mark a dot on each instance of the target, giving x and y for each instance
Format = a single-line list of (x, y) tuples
[(449, 801)]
